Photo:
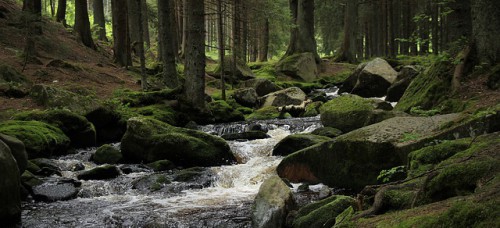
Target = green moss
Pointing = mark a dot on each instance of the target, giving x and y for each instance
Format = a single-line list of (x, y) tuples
[(265, 70), (159, 112), (428, 89), (307, 87), (322, 213), (80, 131), (161, 165), (265, 114), (393, 174), (107, 154), (426, 158), (223, 112), (313, 109), (346, 112), (137, 98), (40, 139)]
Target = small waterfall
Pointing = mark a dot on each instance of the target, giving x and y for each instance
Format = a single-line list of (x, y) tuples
[(225, 203)]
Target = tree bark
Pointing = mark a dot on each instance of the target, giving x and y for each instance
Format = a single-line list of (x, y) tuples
[(99, 19), (121, 44), (167, 50), (142, 57), (61, 12), (145, 23), (194, 87), (302, 33), (486, 29), (348, 48), (220, 41), (263, 42), (82, 23)]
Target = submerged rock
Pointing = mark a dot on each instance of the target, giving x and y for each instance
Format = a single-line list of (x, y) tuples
[(272, 204), (51, 192), (100, 173), (148, 140)]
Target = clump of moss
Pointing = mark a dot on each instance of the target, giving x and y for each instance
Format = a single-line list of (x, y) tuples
[(160, 112), (107, 154), (223, 112), (266, 113), (40, 139), (137, 98), (346, 112), (324, 212)]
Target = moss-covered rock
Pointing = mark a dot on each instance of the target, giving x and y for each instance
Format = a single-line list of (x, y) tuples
[(109, 122), (161, 165), (149, 140), (355, 159), (262, 86), (246, 96), (18, 150), (139, 98), (242, 71), (429, 88), (300, 66), (107, 154), (100, 173), (322, 213), (265, 114), (328, 132), (52, 97), (224, 113), (29, 180), (160, 112), (296, 142), (40, 139), (289, 96), (272, 203), (312, 109), (350, 112), (10, 199), (13, 83), (79, 130)]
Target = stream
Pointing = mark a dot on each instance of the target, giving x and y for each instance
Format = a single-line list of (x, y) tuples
[(219, 197)]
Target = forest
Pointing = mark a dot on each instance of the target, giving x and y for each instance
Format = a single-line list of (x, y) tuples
[(256, 113)]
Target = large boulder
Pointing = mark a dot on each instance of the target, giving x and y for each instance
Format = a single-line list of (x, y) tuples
[(350, 112), (242, 71), (293, 143), (348, 85), (301, 66), (12, 83), (323, 212), (355, 159), (110, 125), (10, 180), (247, 97), (224, 113), (404, 78), (107, 154), (52, 97), (79, 130), (428, 89), (18, 150), (262, 86), (149, 140), (289, 96), (374, 79), (272, 204), (41, 139), (50, 192)]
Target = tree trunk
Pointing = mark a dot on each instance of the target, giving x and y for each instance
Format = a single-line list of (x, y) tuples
[(263, 42), (458, 23), (302, 33), (167, 46), (99, 19), (184, 28), (486, 29), (82, 23), (220, 41), (348, 48), (61, 12), (145, 23), (142, 57), (121, 44), (134, 13), (194, 87)]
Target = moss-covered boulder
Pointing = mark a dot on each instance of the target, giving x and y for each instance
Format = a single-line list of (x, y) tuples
[(160, 112), (371, 79), (355, 159), (18, 150), (312, 109), (350, 112), (10, 199), (265, 114), (328, 132), (224, 113), (323, 212), (79, 130), (429, 88), (289, 96), (148, 140), (296, 142), (246, 96), (13, 83), (262, 86), (41, 139), (300, 66), (139, 98), (100, 173), (242, 71), (52, 97), (161, 165), (107, 154), (110, 124), (404, 78), (272, 203)]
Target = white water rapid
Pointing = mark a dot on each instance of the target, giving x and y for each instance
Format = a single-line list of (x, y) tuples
[(124, 201)]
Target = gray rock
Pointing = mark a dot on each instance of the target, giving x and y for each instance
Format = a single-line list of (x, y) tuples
[(50, 192), (247, 97), (404, 78), (302, 66), (373, 80), (100, 173), (262, 86), (272, 203), (289, 96), (18, 150), (10, 198)]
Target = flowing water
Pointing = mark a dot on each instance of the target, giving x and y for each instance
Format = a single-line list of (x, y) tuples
[(221, 197)]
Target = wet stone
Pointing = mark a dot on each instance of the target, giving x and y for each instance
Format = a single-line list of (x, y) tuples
[(50, 192)]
